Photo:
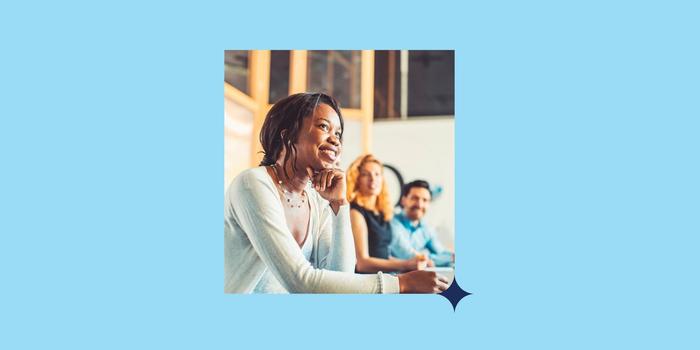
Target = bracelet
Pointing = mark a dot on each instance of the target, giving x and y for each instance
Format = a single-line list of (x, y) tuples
[(381, 282)]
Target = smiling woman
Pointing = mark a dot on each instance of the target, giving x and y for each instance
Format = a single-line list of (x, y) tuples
[(287, 222), (370, 214)]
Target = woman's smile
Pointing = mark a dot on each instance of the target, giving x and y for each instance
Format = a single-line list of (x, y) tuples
[(329, 152)]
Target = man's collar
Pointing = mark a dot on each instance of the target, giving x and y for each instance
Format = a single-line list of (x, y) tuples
[(406, 222)]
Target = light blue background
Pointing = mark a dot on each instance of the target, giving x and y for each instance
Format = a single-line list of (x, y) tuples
[(578, 199)]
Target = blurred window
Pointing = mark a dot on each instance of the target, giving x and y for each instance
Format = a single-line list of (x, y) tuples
[(431, 83), (279, 75), (387, 84), (236, 69), (336, 73), (413, 83)]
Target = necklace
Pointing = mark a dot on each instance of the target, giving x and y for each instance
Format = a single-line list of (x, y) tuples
[(288, 195)]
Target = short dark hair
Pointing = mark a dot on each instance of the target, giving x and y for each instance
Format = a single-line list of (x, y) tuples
[(415, 183), (288, 115)]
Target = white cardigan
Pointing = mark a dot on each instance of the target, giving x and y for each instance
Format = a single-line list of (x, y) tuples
[(257, 241)]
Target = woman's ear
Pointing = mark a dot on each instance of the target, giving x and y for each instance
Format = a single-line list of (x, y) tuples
[(283, 133)]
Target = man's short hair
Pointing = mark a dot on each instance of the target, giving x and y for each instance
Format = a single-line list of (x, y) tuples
[(415, 183)]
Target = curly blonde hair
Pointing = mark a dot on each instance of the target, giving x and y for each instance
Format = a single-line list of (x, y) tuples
[(382, 203)]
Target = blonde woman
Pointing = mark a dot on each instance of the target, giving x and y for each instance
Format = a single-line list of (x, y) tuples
[(370, 215)]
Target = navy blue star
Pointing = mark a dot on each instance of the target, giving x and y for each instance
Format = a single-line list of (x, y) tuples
[(454, 294)]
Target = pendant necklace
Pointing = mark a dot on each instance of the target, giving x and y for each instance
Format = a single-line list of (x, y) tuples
[(288, 195)]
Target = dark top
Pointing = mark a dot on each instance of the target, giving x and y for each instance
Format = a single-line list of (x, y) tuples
[(378, 232)]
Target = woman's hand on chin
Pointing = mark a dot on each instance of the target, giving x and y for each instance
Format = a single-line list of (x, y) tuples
[(330, 184)]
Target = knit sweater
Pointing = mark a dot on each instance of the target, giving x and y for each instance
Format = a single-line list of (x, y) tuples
[(258, 245)]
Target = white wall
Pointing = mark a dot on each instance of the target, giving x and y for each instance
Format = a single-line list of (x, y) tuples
[(238, 130)]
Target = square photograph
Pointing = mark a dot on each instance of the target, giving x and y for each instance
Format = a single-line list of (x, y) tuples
[(339, 171)]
